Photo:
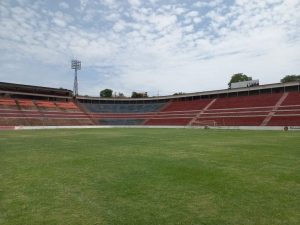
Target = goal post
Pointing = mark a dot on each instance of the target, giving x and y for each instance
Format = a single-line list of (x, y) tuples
[(204, 123)]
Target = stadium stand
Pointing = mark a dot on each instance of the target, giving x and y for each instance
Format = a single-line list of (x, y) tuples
[(288, 114), (46, 105), (178, 112), (67, 106), (293, 99), (6, 103), (122, 108), (26, 104), (7, 106), (39, 106), (117, 110), (269, 105), (241, 111), (186, 105)]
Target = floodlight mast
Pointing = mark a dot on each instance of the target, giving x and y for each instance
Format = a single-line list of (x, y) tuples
[(76, 65)]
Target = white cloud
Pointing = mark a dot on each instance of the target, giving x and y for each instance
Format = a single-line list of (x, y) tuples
[(192, 14), (179, 10), (61, 19), (119, 26), (134, 2), (189, 28), (209, 3), (153, 1), (64, 5), (83, 4), (109, 2)]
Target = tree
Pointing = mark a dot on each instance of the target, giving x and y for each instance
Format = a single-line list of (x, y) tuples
[(106, 93), (121, 95), (238, 77), (139, 95), (179, 93), (290, 78)]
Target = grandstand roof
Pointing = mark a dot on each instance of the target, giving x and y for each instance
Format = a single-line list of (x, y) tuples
[(12, 88), (259, 88), (20, 89)]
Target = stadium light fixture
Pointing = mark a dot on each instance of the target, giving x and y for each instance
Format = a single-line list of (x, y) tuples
[(75, 65)]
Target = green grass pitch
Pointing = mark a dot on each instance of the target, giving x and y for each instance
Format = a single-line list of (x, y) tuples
[(149, 177)]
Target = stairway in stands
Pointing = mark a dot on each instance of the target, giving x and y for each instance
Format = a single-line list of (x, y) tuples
[(179, 112), (275, 108), (288, 114), (241, 111), (278, 109)]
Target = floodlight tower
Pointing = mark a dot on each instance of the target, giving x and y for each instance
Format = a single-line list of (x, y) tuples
[(76, 65)]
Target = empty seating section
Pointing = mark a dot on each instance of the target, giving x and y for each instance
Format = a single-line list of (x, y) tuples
[(6, 106), (231, 111), (178, 112), (45, 105), (26, 112), (6, 103), (288, 114), (137, 114), (247, 101), (122, 108), (289, 120), (266, 109), (241, 111), (26, 103), (292, 99), (186, 105), (132, 114), (67, 105), (291, 105)]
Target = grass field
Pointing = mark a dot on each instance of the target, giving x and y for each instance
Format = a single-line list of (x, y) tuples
[(149, 177)]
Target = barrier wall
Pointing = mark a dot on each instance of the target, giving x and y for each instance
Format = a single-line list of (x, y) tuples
[(262, 128)]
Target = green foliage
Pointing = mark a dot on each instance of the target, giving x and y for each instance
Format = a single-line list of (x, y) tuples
[(139, 95), (179, 93), (290, 78), (106, 93), (121, 95), (149, 176), (238, 77)]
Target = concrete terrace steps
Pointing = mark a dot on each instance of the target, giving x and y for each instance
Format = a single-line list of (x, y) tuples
[(276, 106), (202, 112)]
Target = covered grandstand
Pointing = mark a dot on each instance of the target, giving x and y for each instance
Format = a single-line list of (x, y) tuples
[(265, 105)]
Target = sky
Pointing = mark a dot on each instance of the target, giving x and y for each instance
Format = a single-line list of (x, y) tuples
[(155, 46)]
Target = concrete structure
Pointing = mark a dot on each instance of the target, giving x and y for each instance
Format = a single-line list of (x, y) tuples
[(265, 105)]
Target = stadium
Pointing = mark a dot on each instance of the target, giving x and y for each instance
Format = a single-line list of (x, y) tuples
[(239, 166), (274, 105), (186, 148)]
